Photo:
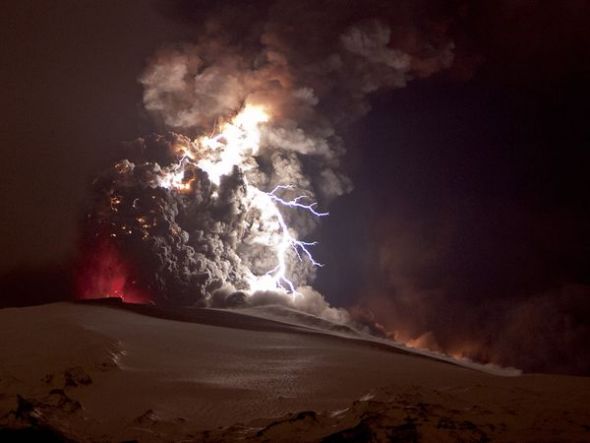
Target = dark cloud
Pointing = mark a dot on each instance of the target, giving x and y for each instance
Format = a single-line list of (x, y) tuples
[(525, 39), (182, 246)]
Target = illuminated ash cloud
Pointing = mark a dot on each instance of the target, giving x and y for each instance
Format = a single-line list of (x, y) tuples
[(312, 65), (183, 245), (197, 225), (226, 202)]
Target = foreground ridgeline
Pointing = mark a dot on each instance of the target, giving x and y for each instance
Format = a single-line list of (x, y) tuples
[(113, 373)]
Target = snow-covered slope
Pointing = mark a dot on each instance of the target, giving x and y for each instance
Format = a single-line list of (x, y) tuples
[(107, 373)]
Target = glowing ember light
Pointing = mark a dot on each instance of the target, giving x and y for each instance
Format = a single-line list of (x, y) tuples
[(235, 145)]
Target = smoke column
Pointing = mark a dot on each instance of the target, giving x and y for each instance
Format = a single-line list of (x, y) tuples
[(221, 207)]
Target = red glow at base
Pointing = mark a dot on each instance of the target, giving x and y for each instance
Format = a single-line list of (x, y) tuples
[(105, 274)]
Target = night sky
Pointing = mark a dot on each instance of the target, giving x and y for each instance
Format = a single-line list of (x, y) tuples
[(467, 229)]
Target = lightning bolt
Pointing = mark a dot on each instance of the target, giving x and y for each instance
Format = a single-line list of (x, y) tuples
[(270, 203), (296, 202), (238, 140)]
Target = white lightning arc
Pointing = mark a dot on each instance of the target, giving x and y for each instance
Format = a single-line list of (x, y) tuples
[(237, 141)]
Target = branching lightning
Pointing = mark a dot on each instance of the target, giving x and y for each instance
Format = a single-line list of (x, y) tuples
[(234, 145), (296, 202), (268, 203)]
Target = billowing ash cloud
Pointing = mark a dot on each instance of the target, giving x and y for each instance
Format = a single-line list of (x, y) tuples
[(313, 68), (184, 244), (189, 212)]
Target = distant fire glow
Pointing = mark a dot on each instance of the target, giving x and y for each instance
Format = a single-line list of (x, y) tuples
[(235, 144)]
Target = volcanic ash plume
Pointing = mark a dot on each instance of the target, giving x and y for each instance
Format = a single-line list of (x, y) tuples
[(221, 209)]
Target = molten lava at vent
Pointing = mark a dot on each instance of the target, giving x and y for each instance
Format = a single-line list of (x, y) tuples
[(105, 274)]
